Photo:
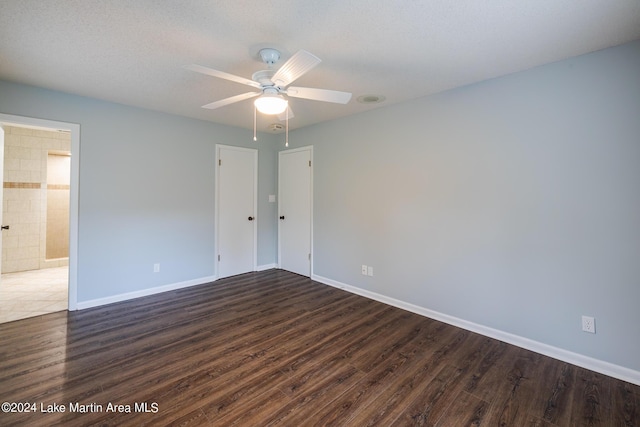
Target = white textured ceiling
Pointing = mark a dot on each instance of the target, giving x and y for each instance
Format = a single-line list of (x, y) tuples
[(132, 51)]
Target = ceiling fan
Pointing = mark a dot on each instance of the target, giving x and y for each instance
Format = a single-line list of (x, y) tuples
[(273, 85)]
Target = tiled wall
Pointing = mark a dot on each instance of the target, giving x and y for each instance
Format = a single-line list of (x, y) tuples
[(24, 245), (58, 179)]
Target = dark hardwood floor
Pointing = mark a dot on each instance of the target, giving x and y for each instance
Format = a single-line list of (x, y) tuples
[(275, 348)]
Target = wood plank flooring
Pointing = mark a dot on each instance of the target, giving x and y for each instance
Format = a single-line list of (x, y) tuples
[(274, 348)]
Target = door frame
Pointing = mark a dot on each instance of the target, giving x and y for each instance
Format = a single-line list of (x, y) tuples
[(281, 153), (217, 202), (74, 128)]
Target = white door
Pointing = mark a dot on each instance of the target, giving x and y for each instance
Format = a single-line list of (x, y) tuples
[(236, 201), (294, 230), (1, 186)]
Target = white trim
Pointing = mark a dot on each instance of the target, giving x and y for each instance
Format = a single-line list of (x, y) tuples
[(606, 368), (144, 292), (264, 267), (74, 128), (311, 209), (217, 203)]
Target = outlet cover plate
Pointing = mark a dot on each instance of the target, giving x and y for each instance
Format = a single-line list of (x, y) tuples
[(589, 324)]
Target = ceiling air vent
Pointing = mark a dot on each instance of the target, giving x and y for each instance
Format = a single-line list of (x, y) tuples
[(371, 99)]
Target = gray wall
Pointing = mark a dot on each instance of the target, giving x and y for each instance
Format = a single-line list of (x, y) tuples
[(513, 203), (147, 190)]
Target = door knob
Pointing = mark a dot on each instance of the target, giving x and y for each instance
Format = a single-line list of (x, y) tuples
[(250, 218), (4, 227), (282, 217)]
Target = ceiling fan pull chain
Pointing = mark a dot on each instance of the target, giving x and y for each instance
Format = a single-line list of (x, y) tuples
[(254, 123), (286, 131)]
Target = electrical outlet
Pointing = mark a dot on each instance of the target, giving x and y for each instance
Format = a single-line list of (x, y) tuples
[(156, 268), (589, 324), (364, 270), (369, 271)]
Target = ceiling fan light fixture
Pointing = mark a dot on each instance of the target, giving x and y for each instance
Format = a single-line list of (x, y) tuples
[(271, 104)]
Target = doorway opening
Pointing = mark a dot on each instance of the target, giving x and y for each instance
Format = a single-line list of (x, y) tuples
[(38, 218)]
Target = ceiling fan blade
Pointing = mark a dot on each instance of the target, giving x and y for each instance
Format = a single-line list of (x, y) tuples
[(222, 75), (231, 100), (301, 62), (283, 116), (319, 94)]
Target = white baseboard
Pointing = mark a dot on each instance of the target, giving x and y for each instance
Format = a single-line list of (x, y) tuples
[(606, 368), (143, 292), (266, 267)]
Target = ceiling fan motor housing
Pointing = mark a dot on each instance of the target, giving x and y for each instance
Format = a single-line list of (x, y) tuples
[(263, 77)]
